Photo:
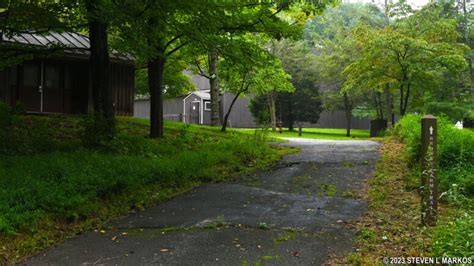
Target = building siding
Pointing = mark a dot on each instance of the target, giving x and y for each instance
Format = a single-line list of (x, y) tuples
[(72, 93), (172, 109), (240, 115), (337, 119)]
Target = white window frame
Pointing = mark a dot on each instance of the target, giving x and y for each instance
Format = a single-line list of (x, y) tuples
[(206, 103)]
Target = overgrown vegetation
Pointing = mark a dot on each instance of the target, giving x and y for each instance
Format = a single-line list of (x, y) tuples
[(52, 186), (455, 152), (453, 236), (391, 227)]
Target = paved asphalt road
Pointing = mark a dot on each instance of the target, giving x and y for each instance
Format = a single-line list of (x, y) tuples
[(295, 214)]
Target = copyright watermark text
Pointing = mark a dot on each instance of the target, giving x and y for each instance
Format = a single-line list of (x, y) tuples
[(426, 260)]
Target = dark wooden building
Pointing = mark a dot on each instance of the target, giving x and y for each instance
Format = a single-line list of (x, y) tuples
[(60, 83)]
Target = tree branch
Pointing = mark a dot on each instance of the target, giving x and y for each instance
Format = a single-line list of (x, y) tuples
[(201, 72), (173, 40), (177, 48)]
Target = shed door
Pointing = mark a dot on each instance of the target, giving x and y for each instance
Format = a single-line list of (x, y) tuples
[(194, 113), (52, 97), (30, 92)]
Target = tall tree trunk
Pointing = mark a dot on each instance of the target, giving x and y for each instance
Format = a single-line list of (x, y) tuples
[(380, 105), (156, 68), (471, 74), (226, 117), (271, 107), (401, 99), (407, 95), (389, 106), (213, 58), (348, 111), (291, 119), (104, 113)]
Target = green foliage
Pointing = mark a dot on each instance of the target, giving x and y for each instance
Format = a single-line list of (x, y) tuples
[(98, 129), (7, 121), (454, 239), (332, 36), (304, 104), (15, 138), (19, 16), (258, 106), (416, 59), (175, 79), (260, 79), (67, 182), (455, 153), (452, 110)]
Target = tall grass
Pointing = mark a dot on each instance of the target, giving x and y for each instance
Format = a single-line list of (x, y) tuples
[(455, 151), (453, 237), (53, 177)]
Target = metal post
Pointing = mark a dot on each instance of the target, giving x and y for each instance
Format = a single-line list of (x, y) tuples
[(429, 190)]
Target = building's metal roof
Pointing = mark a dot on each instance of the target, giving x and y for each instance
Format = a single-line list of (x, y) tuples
[(76, 44), (205, 95)]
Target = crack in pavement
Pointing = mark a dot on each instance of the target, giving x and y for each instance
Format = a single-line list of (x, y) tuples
[(301, 202)]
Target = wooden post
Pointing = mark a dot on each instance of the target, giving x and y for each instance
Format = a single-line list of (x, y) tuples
[(280, 127), (429, 190)]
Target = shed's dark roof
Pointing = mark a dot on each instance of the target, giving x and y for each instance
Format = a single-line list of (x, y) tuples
[(76, 43)]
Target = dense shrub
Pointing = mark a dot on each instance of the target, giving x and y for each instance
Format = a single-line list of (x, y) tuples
[(453, 238), (455, 151)]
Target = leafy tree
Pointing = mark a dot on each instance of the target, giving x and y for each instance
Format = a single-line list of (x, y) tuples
[(332, 38), (207, 66), (103, 124), (177, 81), (256, 79), (302, 105), (37, 17), (164, 27), (417, 50), (154, 31)]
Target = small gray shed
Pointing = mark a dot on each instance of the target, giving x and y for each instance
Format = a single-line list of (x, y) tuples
[(195, 108)]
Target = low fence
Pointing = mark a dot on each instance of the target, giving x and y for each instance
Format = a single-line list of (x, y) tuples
[(179, 117)]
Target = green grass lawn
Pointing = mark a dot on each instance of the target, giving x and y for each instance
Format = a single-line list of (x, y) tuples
[(53, 187), (317, 133)]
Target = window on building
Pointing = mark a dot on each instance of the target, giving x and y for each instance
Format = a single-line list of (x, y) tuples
[(207, 106)]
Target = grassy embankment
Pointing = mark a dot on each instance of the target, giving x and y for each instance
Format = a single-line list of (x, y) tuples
[(318, 133), (52, 187), (392, 226)]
